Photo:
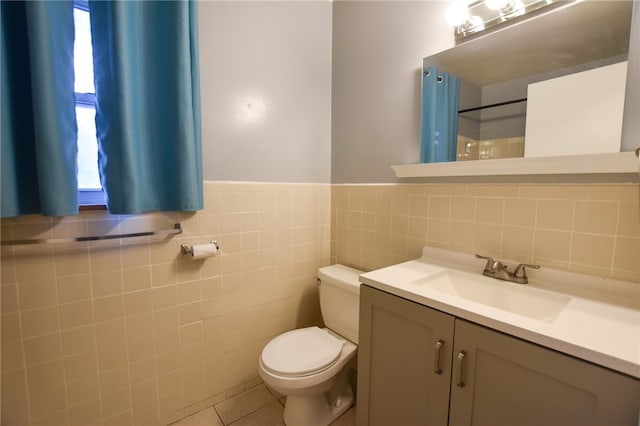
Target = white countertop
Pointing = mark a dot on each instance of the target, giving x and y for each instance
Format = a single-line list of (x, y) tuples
[(603, 333)]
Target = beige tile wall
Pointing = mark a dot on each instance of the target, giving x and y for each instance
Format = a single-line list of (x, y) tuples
[(590, 229), (131, 332), (473, 149)]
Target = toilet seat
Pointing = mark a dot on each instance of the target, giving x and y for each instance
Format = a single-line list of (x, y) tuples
[(301, 352)]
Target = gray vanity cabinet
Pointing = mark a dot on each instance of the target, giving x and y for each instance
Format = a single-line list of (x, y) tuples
[(487, 378), (397, 357), (508, 381)]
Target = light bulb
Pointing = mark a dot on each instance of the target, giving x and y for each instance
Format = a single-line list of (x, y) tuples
[(518, 8), (497, 4), (457, 13)]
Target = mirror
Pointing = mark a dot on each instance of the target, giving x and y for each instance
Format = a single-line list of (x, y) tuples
[(509, 81)]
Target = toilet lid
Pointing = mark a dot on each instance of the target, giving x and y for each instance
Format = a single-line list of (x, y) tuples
[(301, 352)]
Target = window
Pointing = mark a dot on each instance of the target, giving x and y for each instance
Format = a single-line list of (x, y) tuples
[(88, 178)]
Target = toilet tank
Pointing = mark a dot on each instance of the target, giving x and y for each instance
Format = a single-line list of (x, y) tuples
[(340, 299)]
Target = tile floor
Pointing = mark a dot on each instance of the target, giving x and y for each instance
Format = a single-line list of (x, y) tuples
[(255, 407)]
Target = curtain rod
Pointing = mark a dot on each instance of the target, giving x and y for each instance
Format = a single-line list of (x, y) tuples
[(177, 229), (515, 101)]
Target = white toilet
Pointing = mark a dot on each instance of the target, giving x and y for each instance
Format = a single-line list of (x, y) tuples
[(310, 366)]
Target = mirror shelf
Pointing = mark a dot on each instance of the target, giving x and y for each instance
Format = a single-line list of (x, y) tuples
[(570, 39), (591, 164)]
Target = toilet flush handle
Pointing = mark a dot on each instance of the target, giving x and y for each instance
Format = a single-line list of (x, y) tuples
[(318, 281)]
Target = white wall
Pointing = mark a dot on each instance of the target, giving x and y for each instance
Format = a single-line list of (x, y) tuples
[(317, 91), (378, 48), (265, 76), (631, 124)]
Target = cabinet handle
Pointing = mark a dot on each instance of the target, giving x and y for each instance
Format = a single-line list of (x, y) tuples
[(436, 357), (459, 381)]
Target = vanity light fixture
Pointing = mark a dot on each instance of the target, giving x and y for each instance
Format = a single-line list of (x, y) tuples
[(507, 8), (458, 16), (472, 16), (498, 4)]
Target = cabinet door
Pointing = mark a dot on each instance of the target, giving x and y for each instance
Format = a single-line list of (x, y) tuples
[(508, 381), (397, 379)]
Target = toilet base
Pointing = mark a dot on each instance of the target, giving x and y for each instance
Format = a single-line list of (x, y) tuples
[(320, 409)]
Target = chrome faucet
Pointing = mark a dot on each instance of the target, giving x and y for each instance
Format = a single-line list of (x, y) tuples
[(497, 269)]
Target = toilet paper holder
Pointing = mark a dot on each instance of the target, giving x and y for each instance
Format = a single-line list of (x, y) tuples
[(187, 249)]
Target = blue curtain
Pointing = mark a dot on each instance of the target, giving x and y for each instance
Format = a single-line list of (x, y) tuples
[(147, 104), (39, 133), (439, 116)]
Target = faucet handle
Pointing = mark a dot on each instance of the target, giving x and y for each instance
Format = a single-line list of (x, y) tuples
[(520, 272), (490, 262)]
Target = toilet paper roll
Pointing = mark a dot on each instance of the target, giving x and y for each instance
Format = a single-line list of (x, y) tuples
[(203, 251)]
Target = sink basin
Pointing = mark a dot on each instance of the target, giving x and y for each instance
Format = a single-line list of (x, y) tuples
[(514, 298)]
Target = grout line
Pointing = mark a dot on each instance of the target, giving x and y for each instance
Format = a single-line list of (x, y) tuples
[(247, 415), (272, 392), (504, 203), (215, 412), (449, 222), (535, 232), (571, 234), (615, 240), (25, 377), (242, 395)]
